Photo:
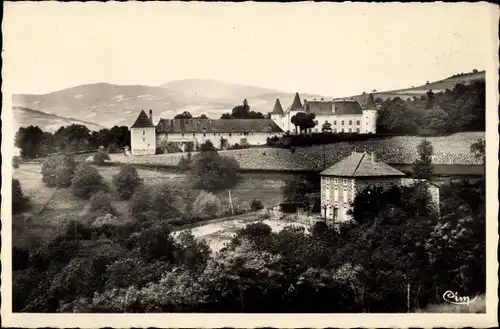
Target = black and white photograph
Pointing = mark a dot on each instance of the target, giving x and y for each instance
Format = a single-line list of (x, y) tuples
[(249, 162)]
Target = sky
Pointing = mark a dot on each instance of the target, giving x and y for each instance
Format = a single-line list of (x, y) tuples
[(324, 48)]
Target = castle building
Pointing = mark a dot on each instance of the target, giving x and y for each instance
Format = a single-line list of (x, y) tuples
[(341, 182), (344, 116), (221, 132), (143, 135), (146, 138)]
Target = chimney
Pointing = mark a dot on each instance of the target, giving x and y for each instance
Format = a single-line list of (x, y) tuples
[(151, 114)]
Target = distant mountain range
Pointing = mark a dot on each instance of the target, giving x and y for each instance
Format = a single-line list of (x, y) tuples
[(25, 117), (105, 105)]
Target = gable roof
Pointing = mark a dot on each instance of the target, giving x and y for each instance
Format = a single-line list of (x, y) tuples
[(360, 165), (143, 121), (319, 107), (297, 104), (277, 107), (217, 126), (343, 107)]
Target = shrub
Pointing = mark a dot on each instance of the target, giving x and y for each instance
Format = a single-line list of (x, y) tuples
[(101, 201), (86, 182), (160, 199), (127, 181), (185, 163), (100, 157), (211, 171), (256, 205), (58, 170), (206, 205), (16, 161), (108, 219), (19, 201)]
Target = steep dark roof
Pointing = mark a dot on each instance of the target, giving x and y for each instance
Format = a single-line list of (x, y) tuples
[(360, 165), (297, 104), (217, 126), (277, 107), (369, 102), (319, 107), (347, 107), (143, 121)]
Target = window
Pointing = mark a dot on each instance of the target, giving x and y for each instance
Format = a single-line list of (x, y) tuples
[(335, 181), (345, 182), (350, 130), (143, 132), (335, 130), (336, 195), (334, 122), (336, 213), (194, 134), (215, 134), (230, 135), (350, 122), (342, 129), (182, 134), (204, 134), (342, 122), (344, 196), (357, 130), (358, 122)]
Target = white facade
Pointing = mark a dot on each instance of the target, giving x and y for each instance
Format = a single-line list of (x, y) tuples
[(353, 118), (143, 140), (365, 123), (231, 138)]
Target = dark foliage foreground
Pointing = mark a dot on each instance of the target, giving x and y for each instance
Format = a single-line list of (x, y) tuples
[(365, 267)]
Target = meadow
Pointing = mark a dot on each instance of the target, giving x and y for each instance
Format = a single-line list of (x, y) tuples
[(53, 208)]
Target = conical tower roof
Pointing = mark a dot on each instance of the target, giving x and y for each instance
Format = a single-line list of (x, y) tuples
[(143, 121), (370, 102), (297, 104), (277, 107)]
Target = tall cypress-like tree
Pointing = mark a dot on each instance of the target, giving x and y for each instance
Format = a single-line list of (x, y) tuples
[(423, 167)]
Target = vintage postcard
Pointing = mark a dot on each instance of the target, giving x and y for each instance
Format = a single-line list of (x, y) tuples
[(208, 165)]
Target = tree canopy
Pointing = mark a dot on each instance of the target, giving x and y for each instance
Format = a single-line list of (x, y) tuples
[(242, 112)]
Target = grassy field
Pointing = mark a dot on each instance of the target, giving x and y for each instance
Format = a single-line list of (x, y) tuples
[(52, 208)]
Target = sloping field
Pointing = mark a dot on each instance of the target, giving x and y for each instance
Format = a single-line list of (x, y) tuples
[(452, 149)]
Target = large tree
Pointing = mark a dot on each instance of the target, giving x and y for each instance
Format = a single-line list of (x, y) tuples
[(422, 166), (184, 115), (304, 121), (242, 112)]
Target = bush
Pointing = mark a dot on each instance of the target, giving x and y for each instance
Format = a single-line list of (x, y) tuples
[(19, 201), (16, 161), (86, 182), (206, 205), (256, 205), (101, 201), (211, 171), (58, 170), (159, 199), (185, 163), (101, 157), (127, 181)]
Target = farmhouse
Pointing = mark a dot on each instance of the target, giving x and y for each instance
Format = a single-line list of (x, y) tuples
[(344, 116), (341, 182), (146, 138)]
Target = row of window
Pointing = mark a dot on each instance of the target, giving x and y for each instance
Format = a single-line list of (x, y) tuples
[(230, 134)]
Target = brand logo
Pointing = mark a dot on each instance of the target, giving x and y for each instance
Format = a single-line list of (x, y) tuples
[(455, 298)]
